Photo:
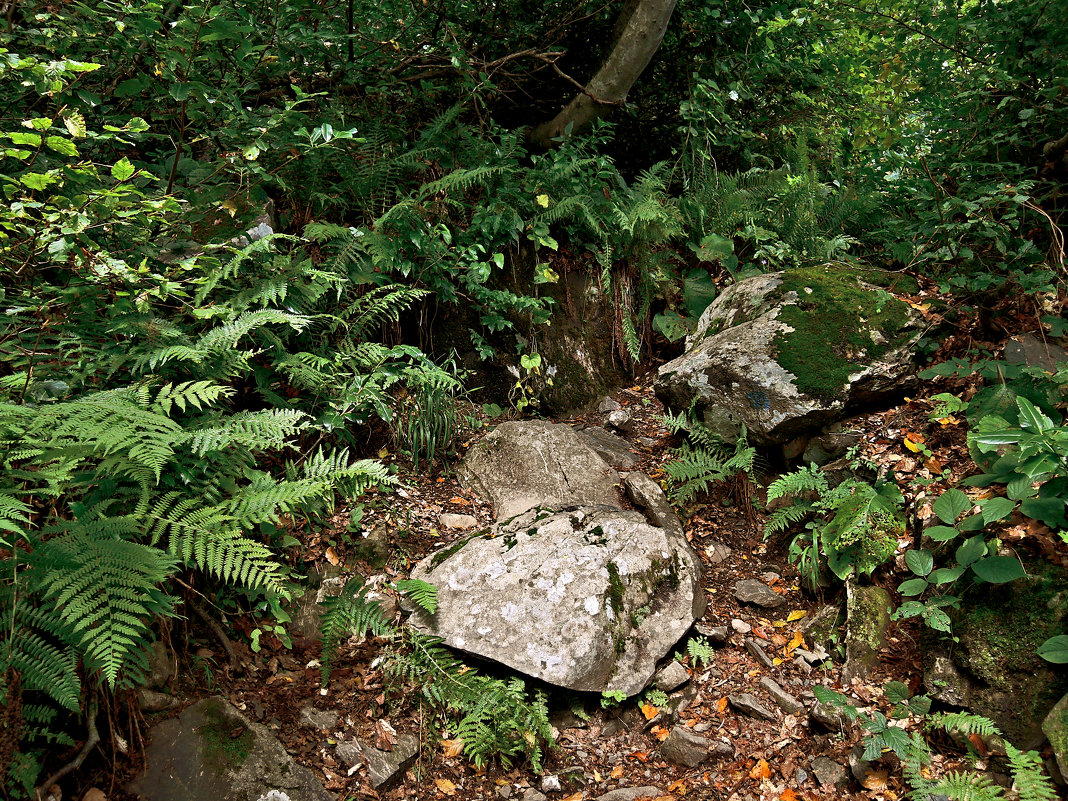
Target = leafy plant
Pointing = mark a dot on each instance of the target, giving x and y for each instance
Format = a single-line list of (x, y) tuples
[(854, 526), (705, 459)]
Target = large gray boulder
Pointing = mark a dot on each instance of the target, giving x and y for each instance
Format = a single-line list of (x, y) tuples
[(522, 465), (213, 751), (786, 353), (588, 598)]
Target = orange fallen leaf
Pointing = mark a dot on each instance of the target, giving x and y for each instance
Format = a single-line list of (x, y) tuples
[(795, 643), (441, 479), (575, 797), (789, 795), (445, 786), (385, 735), (980, 746), (332, 557), (761, 770), (641, 756), (617, 772), (649, 711), (721, 704), (660, 733), (678, 786), (453, 748), (459, 500), (876, 780)]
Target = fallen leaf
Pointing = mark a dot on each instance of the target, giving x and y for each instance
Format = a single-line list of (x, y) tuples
[(385, 735), (678, 786), (789, 795), (445, 786), (797, 614), (641, 756), (453, 748), (876, 780), (649, 711), (459, 500), (382, 454), (441, 479), (912, 445), (332, 557), (980, 746), (761, 770), (721, 704), (660, 733), (617, 772), (575, 796), (796, 642)]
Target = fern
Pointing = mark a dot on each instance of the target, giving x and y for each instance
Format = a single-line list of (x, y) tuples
[(424, 594), (710, 460), (700, 651), (349, 614)]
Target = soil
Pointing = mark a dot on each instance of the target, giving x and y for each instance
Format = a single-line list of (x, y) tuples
[(619, 746)]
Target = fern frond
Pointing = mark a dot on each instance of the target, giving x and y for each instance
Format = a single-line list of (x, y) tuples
[(349, 614)]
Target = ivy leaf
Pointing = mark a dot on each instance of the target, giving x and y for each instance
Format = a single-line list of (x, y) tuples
[(950, 505), (999, 569)]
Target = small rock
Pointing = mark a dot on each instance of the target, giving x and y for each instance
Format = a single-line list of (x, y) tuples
[(787, 703), (1029, 350), (620, 421), (802, 664), (812, 657), (566, 719), (945, 682), (747, 704), (858, 766), (1055, 727), (717, 635), (550, 784), (867, 619), (608, 405), (648, 495), (384, 768), (457, 521), (717, 553), (683, 747), (530, 794), (758, 653), (802, 776), (94, 794), (819, 629), (751, 591), (830, 717), (829, 773), (154, 701), (670, 677), (613, 727), (612, 448), (318, 718), (505, 791), (647, 442), (741, 626), (161, 665), (630, 794)]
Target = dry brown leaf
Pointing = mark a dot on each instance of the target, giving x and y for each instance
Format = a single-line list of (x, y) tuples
[(649, 711), (797, 614), (453, 748), (660, 733), (617, 772), (761, 770), (641, 756), (459, 500), (385, 735), (721, 704), (876, 780), (678, 786), (445, 786), (789, 795), (575, 796), (332, 557)]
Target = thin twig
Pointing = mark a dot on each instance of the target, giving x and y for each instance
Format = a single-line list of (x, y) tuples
[(91, 742), (217, 630)]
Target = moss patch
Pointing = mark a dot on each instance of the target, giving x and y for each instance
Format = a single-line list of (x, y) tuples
[(840, 325), (227, 742)]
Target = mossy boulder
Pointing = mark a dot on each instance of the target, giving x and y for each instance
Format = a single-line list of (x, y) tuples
[(999, 633), (786, 353)]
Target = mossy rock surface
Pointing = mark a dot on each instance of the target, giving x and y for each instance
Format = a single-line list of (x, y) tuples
[(787, 353)]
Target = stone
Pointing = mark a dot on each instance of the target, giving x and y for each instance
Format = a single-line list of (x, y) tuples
[(741, 626), (612, 448), (648, 496), (564, 719), (94, 794), (758, 653), (504, 791), (747, 704), (161, 665), (608, 405), (523, 465), (1055, 727), (830, 446), (1031, 351), (588, 599), (631, 794), (787, 703), (373, 546), (751, 591), (717, 553), (155, 701), (787, 353), (867, 619), (830, 717), (457, 521), (213, 751), (620, 420), (717, 635), (530, 794), (385, 769), (829, 773), (307, 610), (683, 747), (550, 784), (324, 719), (672, 676), (820, 628), (944, 681)]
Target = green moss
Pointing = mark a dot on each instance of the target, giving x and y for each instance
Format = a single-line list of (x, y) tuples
[(615, 589), (227, 743), (445, 553), (839, 325)]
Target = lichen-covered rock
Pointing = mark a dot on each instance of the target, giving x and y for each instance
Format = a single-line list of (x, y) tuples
[(1055, 727), (786, 353), (385, 769), (867, 619), (588, 598), (213, 751), (522, 465)]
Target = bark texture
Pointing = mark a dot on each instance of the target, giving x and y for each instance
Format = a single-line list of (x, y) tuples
[(634, 48)]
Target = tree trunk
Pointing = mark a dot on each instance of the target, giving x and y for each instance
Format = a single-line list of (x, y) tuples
[(633, 50)]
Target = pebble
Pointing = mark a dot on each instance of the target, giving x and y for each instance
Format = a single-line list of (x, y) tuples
[(671, 676), (550, 783), (717, 553), (751, 591), (787, 703), (620, 421), (457, 521), (758, 653), (741, 626), (717, 635), (747, 704), (608, 405), (828, 772), (684, 747)]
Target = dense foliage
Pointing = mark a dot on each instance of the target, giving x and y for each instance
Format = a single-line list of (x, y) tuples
[(178, 380)]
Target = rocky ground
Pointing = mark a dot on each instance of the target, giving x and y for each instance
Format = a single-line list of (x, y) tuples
[(742, 725)]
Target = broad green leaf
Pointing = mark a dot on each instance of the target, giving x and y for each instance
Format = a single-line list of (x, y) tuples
[(1055, 649), (37, 180), (999, 569), (1000, 438), (123, 170), (914, 586), (941, 533), (937, 619), (971, 550), (946, 575), (1048, 510), (896, 692), (62, 146), (75, 125), (920, 562), (20, 138), (950, 505), (1031, 417), (997, 509)]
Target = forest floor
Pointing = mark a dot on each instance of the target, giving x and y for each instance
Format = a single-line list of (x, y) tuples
[(616, 747)]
